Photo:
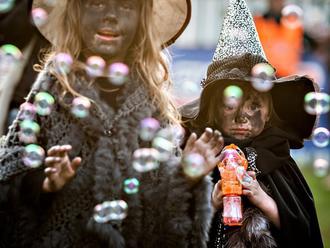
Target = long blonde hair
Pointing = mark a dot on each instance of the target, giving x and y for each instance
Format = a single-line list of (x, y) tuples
[(148, 62)]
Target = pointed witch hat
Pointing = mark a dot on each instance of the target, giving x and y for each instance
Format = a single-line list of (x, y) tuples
[(238, 51)]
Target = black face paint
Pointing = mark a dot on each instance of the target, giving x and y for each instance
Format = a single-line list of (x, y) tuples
[(109, 27), (248, 119)]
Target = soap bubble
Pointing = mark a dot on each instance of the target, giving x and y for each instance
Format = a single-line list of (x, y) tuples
[(95, 66), (317, 103), (232, 96), (262, 77), (28, 131), (193, 165), (63, 63), (110, 211), (80, 107), (145, 159), (148, 128), (321, 137), (131, 186), (33, 156), (44, 103), (118, 73), (39, 16)]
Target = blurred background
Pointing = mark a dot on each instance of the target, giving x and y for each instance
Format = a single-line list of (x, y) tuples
[(295, 35)]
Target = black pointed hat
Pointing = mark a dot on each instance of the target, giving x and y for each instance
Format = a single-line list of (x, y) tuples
[(238, 51)]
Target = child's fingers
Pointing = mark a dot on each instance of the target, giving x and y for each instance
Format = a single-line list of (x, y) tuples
[(50, 171), (50, 161), (207, 135), (247, 192), (190, 142), (215, 140), (219, 146), (75, 163), (59, 150), (252, 174)]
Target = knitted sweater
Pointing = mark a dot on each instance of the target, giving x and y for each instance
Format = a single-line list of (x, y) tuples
[(166, 212)]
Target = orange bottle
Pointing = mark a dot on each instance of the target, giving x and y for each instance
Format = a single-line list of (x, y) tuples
[(232, 167)]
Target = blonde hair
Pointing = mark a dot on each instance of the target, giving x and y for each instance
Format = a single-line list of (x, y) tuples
[(147, 61)]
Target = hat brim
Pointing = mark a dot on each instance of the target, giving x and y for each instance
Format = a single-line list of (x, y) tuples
[(288, 95), (171, 18)]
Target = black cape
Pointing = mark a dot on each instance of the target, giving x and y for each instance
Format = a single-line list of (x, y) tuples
[(287, 186)]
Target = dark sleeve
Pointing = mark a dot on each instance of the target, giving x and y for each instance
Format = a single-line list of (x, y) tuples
[(21, 194), (294, 199)]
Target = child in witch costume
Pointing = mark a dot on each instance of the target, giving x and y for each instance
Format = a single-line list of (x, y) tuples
[(265, 123), (51, 202)]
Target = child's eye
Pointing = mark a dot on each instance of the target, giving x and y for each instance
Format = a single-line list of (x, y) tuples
[(126, 5), (96, 4), (255, 106), (228, 107)]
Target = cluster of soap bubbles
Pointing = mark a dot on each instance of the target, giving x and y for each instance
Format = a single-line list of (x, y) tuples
[(318, 103), (29, 129), (110, 211), (117, 73)]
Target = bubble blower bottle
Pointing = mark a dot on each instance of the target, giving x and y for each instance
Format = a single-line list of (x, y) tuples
[(232, 167)]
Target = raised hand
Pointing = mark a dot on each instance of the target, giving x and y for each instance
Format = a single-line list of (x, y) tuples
[(208, 145), (60, 169)]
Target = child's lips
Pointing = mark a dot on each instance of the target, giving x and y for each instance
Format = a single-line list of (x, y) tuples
[(240, 131), (107, 35)]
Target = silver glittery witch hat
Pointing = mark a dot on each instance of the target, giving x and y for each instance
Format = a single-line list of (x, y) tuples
[(237, 52), (238, 35)]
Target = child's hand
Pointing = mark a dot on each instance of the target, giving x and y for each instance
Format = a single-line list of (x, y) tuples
[(258, 197), (60, 170), (217, 196), (208, 146), (252, 189)]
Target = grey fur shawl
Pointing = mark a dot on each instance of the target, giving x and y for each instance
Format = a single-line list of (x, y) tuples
[(167, 211)]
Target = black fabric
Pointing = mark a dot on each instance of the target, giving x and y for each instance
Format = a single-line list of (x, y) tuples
[(287, 186)]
